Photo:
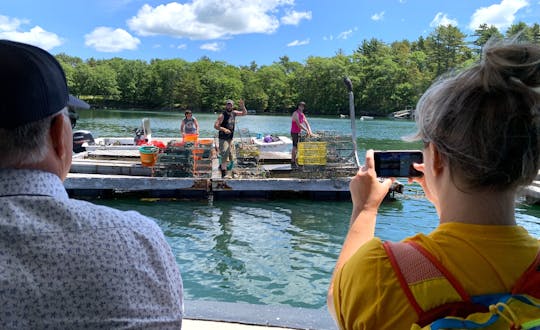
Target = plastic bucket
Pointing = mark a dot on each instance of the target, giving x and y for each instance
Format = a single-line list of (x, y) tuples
[(190, 137), (206, 142), (148, 155)]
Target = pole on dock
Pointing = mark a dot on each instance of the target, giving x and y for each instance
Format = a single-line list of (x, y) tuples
[(348, 84), (146, 129)]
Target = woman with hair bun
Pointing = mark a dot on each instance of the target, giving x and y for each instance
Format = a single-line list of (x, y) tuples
[(480, 128)]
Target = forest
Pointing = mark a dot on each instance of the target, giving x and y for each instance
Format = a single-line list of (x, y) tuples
[(386, 77)]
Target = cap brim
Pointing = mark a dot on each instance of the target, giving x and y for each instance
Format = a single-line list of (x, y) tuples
[(77, 103)]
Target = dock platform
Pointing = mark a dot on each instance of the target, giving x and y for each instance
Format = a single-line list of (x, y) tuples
[(108, 174)]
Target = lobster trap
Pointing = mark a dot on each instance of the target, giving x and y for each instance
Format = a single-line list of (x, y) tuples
[(178, 159), (339, 148), (325, 155)]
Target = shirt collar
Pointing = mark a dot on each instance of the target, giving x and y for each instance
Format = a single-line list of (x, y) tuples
[(31, 182)]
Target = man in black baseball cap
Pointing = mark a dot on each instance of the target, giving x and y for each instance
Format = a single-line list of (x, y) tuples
[(65, 263)]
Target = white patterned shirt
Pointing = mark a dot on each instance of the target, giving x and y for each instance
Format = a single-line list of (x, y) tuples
[(71, 264)]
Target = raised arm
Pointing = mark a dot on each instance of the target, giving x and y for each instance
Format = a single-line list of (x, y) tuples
[(242, 107), (367, 194)]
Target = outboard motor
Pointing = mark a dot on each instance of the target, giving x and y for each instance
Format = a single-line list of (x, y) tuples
[(79, 138), (139, 138)]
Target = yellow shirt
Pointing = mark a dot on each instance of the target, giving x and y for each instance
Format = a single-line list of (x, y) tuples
[(484, 259)]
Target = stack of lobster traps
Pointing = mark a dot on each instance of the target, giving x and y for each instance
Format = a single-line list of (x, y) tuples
[(325, 155), (190, 159)]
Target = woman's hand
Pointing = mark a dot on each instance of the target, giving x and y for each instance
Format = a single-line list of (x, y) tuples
[(367, 192)]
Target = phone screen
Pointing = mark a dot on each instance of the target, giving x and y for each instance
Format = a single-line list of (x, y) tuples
[(397, 163)]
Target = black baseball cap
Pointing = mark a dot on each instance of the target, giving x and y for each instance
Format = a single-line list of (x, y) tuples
[(32, 85)]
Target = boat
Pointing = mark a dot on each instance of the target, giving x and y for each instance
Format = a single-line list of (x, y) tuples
[(407, 113), (272, 143), (366, 118)]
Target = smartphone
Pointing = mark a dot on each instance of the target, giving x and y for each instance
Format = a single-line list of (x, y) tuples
[(397, 163)]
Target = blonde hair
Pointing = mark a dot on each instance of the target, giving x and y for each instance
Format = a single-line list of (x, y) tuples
[(485, 120)]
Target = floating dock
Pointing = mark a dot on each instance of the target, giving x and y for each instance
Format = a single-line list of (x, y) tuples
[(109, 173), (106, 173)]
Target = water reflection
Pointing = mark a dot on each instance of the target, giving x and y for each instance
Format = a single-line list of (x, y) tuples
[(275, 252)]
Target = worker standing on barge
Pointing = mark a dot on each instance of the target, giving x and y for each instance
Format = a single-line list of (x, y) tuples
[(225, 125)]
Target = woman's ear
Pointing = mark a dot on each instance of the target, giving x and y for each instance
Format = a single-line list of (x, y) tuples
[(437, 163)]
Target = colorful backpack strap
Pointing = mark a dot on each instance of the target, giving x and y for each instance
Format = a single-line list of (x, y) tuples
[(430, 288), (529, 282)]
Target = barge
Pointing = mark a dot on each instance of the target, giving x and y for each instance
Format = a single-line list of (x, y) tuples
[(113, 166)]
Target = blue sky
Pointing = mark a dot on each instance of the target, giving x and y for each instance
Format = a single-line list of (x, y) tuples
[(241, 31)]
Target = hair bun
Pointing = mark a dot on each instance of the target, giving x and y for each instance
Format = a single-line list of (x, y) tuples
[(512, 63)]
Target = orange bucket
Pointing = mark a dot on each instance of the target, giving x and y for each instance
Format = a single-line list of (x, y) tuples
[(206, 142), (190, 137), (148, 155)]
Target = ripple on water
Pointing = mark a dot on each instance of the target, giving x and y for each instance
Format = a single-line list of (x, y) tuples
[(276, 252)]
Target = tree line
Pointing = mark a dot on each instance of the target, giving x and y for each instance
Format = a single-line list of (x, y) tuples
[(386, 77)]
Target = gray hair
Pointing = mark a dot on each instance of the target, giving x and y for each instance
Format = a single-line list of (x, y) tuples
[(485, 120), (27, 144)]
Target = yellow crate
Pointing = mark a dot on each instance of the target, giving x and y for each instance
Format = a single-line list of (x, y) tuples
[(311, 153)]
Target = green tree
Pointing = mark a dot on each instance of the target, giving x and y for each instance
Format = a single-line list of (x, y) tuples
[(220, 82), (70, 64), (446, 48), (273, 80), (320, 84), (485, 33), (254, 94)]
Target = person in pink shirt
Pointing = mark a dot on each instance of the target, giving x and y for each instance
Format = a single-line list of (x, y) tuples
[(299, 123)]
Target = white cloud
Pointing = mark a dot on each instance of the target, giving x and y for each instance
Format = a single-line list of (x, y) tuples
[(294, 17), (346, 34), (213, 46), (328, 38), (298, 43), (499, 15), (442, 19), (181, 46), (208, 19), (378, 16), (105, 39), (10, 28)]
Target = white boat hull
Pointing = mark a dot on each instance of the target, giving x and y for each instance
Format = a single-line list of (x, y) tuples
[(284, 144)]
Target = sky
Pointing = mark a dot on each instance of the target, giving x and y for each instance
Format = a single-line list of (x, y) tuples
[(241, 31)]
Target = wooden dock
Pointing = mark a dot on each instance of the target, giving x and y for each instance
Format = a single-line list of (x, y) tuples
[(107, 175)]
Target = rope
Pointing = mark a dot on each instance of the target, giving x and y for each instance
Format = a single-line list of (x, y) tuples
[(509, 316)]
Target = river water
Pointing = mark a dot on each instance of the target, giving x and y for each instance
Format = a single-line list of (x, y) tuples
[(272, 252)]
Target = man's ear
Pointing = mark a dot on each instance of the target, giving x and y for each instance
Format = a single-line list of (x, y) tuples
[(58, 135), (437, 159)]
